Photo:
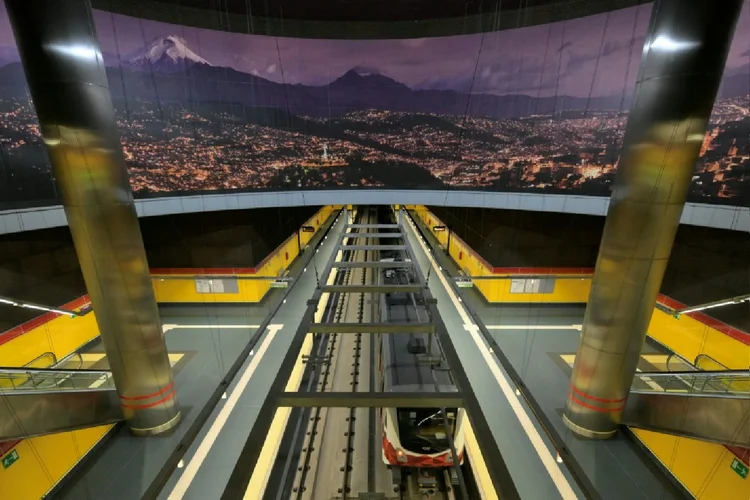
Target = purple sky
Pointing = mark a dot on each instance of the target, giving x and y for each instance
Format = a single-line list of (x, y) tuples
[(558, 58)]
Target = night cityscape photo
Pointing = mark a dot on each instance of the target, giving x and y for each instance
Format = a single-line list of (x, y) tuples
[(539, 109)]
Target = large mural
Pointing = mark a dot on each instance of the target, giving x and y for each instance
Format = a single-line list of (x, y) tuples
[(540, 109)]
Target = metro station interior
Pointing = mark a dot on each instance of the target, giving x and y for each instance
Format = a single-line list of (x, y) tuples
[(375, 250)]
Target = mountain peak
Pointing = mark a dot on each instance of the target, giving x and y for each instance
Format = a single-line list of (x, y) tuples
[(167, 53), (362, 76), (364, 71)]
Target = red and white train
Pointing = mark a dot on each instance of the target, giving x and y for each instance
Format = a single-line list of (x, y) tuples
[(414, 438)]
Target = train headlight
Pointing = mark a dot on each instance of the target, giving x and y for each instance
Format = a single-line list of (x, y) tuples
[(400, 455), (449, 457)]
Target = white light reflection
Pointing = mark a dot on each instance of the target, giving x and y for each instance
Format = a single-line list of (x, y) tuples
[(78, 50), (667, 44)]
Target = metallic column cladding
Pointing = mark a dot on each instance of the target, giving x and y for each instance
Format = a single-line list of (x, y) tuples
[(65, 72), (683, 60)]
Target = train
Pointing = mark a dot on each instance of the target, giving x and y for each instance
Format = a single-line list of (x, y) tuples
[(413, 438)]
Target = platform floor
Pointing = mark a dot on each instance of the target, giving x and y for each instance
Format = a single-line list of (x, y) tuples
[(542, 354), (210, 338), (209, 343)]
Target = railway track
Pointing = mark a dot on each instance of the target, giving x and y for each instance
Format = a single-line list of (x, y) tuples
[(329, 465), (340, 448)]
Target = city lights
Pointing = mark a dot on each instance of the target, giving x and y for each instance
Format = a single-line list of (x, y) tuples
[(576, 154)]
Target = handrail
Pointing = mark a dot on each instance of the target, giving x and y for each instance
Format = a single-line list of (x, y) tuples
[(700, 357), (67, 358), (51, 371), (728, 394), (683, 363), (696, 374), (727, 383), (45, 354)]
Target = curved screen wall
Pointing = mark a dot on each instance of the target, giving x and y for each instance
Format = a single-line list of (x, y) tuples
[(534, 110)]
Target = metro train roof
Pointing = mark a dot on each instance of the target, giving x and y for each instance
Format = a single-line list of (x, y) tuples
[(407, 371), (404, 369)]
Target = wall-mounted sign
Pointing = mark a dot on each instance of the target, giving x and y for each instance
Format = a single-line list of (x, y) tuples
[(439, 229), (217, 285), (308, 229), (282, 283), (532, 285), (10, 459), (464, 283), (737, 466)]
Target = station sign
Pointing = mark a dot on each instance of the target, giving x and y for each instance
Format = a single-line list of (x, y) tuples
[(439, 229), (308, 229), (281, 283), (464, 283)]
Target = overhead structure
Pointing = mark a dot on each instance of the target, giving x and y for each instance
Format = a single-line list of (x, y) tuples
[(683, 60), (68, 83), (462, 397)]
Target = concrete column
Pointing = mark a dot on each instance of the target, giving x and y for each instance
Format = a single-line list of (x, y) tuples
[(683, 60), (68, 83)]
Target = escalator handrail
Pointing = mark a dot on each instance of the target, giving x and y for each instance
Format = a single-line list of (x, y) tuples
[(44, 354), (683, 362), (696, 373), (74, 354), (694, 394), (706, 356), (51, 371)]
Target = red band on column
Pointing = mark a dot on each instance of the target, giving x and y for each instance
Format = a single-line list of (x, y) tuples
[(593, 398), (149, 405), (148, 396), (595, 408)]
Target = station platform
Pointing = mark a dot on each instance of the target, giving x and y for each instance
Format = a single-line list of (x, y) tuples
[(540, 341), (241, 348), (529, 455), (211, 458), (208, 339)]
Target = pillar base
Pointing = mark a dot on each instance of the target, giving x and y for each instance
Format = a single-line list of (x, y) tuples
[(159, 429), (587, 433)]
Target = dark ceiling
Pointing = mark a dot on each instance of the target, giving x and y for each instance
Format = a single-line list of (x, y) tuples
[(363, 10)]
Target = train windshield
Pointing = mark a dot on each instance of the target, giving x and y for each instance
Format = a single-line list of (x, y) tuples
[(423, 430)]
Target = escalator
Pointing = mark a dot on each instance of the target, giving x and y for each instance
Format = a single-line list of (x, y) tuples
[(708, 405), (38, 401)]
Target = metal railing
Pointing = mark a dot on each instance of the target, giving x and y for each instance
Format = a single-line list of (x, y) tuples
[(714, 383), (706, 363), (73, 361), (676, 363), (49, 379)]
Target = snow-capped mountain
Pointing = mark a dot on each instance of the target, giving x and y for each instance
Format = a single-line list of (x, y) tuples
[(168, 53)]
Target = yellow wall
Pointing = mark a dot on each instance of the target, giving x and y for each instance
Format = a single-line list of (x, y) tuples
[(567, 290), (173, 288), (703, 467), (61, 336), (689, 337), (43, 461)]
